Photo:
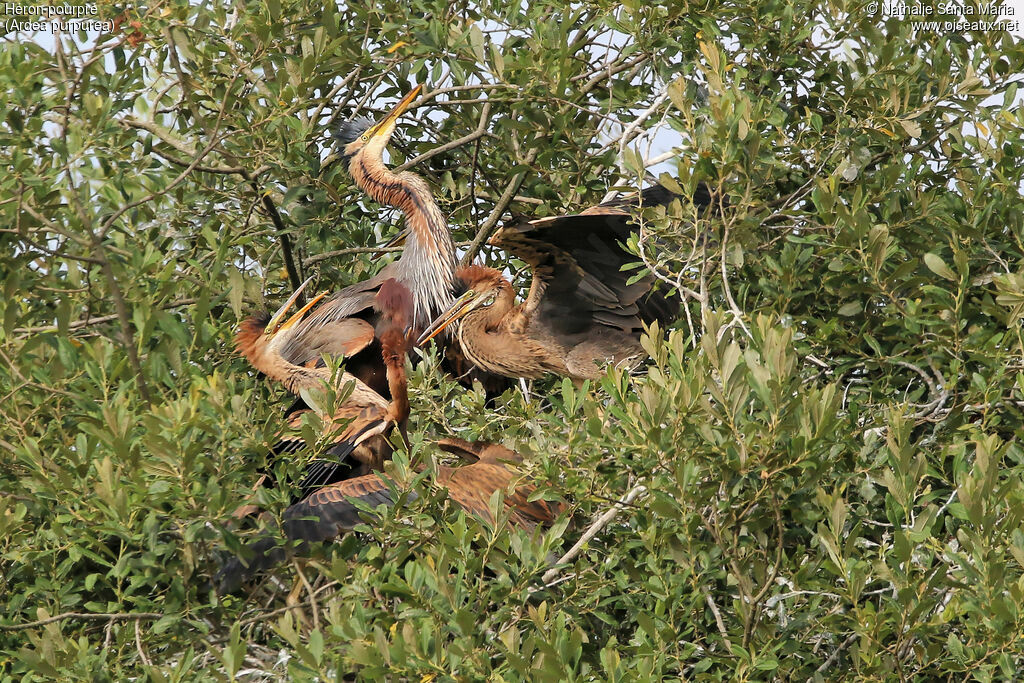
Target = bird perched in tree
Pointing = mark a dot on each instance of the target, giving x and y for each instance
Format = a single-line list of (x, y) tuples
[(581, 312), (359, 425), (329, 512), (426, 266)]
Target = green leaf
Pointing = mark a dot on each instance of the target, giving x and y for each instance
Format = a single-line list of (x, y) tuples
[(850, 308), (939, 267)]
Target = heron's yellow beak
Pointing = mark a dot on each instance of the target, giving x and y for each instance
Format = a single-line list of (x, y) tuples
[(463, 305), (302, 311), (275, 325), (387, 124)]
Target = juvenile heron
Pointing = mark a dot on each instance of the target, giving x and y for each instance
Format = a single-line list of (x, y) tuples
[(359, 425), (581, 310)]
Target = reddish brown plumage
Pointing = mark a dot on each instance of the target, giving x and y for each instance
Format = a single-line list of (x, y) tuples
[(359, 426), (474, 275), (250, 340), (332, 511), (582, 310), (395, 304), (426, 266)]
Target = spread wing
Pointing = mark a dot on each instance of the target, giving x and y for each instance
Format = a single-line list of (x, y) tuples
[(577, 277), (323, 515)]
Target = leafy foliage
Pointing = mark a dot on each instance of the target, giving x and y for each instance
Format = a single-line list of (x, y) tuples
[(828, 440)]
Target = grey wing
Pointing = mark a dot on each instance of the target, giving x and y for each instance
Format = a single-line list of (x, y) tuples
[(322, 516), (330, 511), (314, 331)]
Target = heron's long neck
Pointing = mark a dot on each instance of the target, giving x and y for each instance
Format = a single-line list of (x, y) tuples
[(294, 377), (498, 349), (310, 382), (427, 266)]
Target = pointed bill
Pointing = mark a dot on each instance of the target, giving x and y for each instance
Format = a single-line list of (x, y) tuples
[(463, 305), (396, 241), (275, 325), (386, 124), (302, 311), (279, 314)]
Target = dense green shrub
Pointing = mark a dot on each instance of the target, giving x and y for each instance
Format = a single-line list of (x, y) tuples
[(827, 441)]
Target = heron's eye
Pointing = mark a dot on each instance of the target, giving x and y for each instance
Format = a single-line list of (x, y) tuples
[(364, 138), (490, 300)]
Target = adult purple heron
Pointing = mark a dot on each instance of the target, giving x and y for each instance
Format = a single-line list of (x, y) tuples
[(343, 325), (582, 310), (426, 266)]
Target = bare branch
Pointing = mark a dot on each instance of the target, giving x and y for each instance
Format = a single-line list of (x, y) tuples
[(592, 531), (99, 320), (487, 229), (85, 616), (481, 128)]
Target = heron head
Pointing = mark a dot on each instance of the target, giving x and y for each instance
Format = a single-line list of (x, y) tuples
[(362, 132), (484, 288)]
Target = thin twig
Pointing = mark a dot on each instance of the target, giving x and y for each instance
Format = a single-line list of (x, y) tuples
[(288, 608), (294, 277), (485, 116), (835, 653), (718, 619), (487, 229), (312, 260), (138, 644), (86, 616), (123, 317), (737, 314), (94, 321), (596, 527), (312, 596)]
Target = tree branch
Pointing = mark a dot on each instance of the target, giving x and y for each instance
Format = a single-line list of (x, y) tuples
[(596, 527), (85, 616), (487, 229)]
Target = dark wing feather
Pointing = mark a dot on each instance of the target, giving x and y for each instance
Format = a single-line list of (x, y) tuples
[(320, 473), (341, 459), (324, 515), (577, 261), (330, 511)]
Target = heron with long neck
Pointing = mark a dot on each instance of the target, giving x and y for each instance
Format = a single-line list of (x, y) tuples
[(364, 416), (426, 266), (582, 310)]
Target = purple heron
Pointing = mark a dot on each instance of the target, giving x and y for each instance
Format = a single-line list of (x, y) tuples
[(360, 424), (581, 310)]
